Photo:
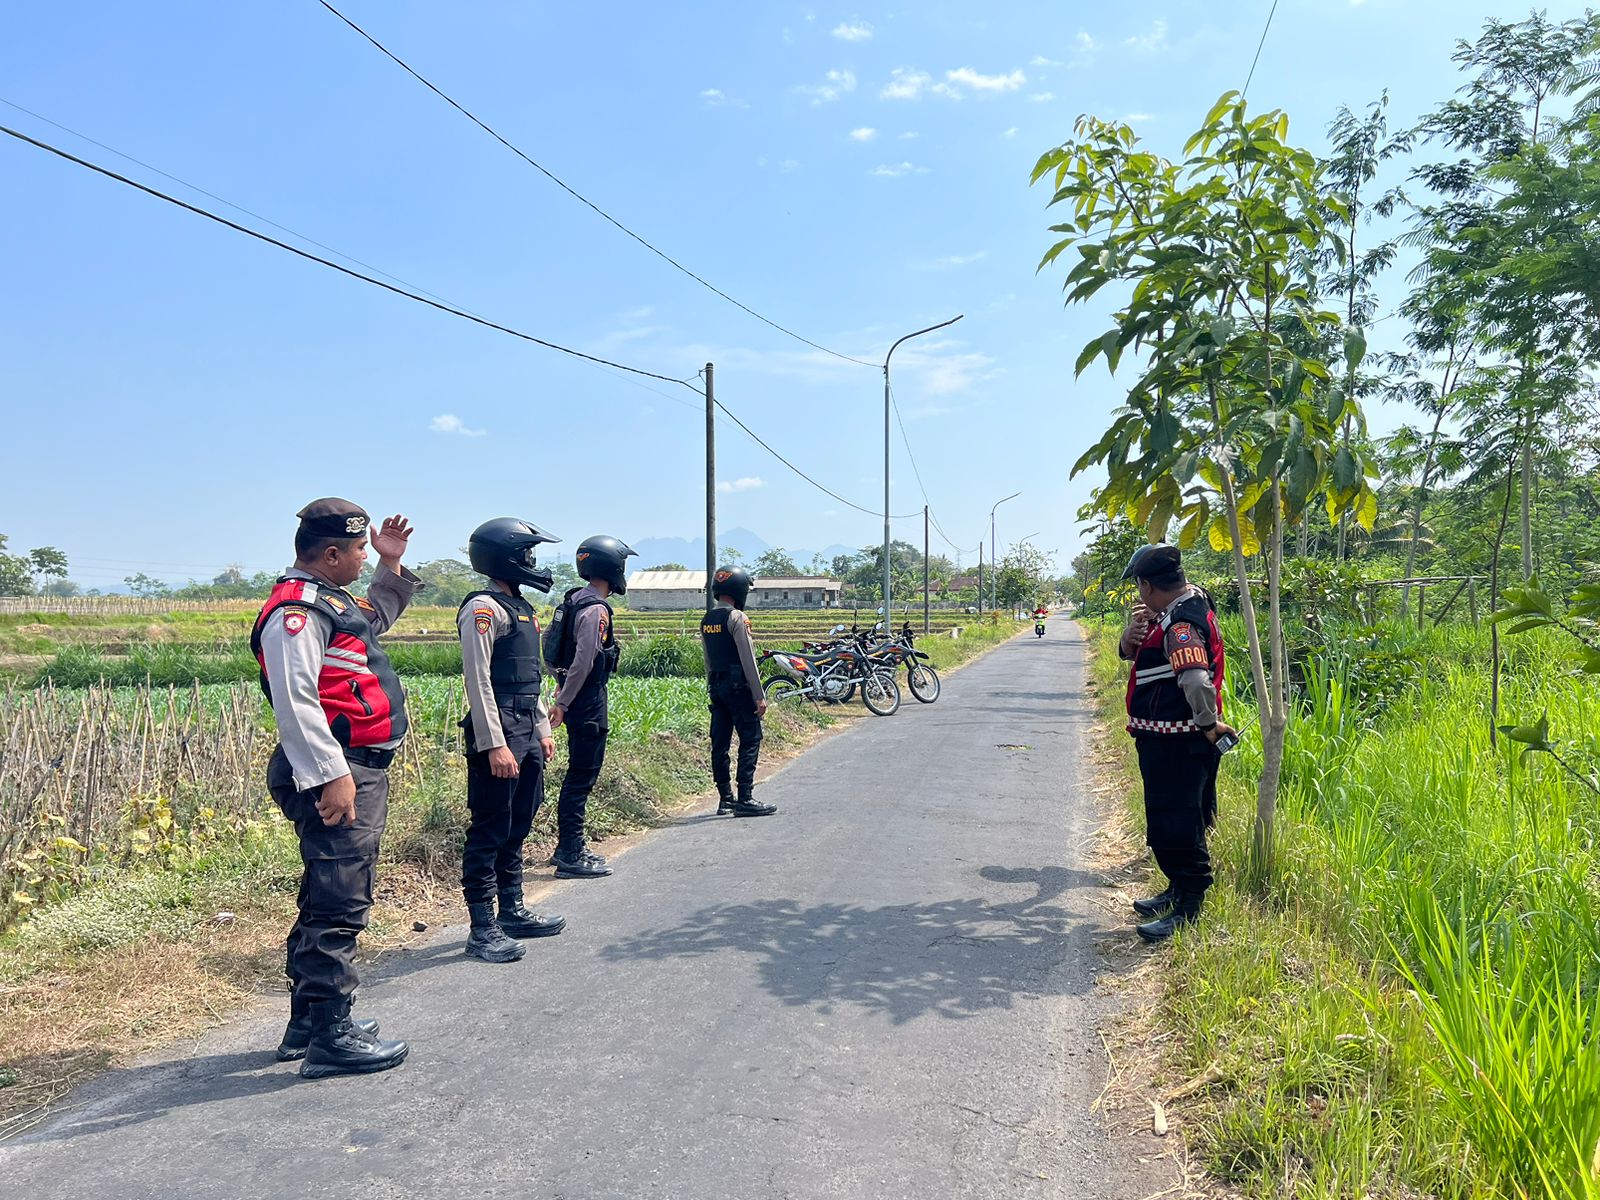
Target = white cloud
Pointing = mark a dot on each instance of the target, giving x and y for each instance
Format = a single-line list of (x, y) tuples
[(1010, 133), (450, 423), (788, 165), (1085, 43), (1039, 60), (909, 136), (717, 98), (1137, 118), (955, 260), (1042, 97), (834, 84), (967, 77), (864, 134), (896, 170), (743, 484), (853, 31), (905, 83), (1150, 42), (944, 371), (713, 96)]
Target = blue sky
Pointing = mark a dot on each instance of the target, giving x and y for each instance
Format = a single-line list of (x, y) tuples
[(173, 392)]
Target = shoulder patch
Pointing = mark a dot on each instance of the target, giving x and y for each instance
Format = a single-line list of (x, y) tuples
[(605, 622), (294, 620), (333, 602), (363, 602), (483, 622), (1183, 632)]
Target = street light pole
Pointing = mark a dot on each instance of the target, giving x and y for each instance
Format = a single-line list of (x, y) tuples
[(887, 616), (994, 562)]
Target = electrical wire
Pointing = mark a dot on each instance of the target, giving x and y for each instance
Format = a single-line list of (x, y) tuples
[(576, 195), (1270, 14), (354, 274), (917, 471), (193, 187)]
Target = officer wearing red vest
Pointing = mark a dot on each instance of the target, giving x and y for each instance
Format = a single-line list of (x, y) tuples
[(1175, 716), (508, 735), (341, 712)]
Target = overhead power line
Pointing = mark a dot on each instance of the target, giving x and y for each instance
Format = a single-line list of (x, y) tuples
[(1270, 14), (575, 194), (343, 270)]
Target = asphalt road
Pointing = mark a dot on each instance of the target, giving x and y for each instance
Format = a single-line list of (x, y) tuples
[(886, 990)]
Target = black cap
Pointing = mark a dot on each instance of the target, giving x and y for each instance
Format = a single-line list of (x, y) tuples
[(1152, 562), (332, 517)]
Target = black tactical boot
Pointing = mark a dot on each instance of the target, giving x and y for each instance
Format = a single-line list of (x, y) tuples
[(518, 922), (339, 1048), (297, 1034), (725, 804), (575, 862), (1157, 904), (748, 806), (1185, 911), (486, 940)]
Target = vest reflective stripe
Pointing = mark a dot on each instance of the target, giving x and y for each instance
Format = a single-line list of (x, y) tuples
[(360, 694), (514, 665), (722, 652), (1155, 701)]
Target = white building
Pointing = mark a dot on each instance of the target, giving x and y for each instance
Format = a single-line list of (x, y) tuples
[(676, 591)]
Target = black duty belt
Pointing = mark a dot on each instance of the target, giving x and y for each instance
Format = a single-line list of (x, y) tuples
[(369, 756)]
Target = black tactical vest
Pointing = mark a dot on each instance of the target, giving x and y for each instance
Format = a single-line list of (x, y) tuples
[(560, 642), (716, 635), (514, 668)]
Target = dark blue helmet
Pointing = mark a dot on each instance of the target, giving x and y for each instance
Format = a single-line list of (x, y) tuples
[(504, 549)]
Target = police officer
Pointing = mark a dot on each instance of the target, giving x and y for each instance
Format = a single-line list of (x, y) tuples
[(737, 701), (581, 647), (507, 734), (340, 713), (1175, 716)]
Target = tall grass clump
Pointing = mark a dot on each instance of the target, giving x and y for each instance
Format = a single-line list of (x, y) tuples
[(1412, 1003)]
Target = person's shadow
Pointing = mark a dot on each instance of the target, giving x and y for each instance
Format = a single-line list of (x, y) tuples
[(949, 958)]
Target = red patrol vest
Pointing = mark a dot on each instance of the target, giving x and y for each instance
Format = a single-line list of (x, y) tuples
[(360, 693), (1156, 704)]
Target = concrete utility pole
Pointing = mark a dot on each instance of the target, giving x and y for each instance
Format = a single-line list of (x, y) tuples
[(924, 568), (887, 572), (994, 559), (711, 484)]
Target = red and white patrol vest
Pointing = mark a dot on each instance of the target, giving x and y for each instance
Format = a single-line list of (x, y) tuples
[(360, 693), (1156, 704)]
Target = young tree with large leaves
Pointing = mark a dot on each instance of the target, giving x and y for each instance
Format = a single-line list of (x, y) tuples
[(1231, 428)]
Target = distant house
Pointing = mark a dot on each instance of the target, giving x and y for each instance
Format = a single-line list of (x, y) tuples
[(962, 583), (657, 591)]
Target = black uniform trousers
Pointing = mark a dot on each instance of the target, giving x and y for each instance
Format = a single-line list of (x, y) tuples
[(1180, 804), (588, 726), (336, 884), (502, 810), (733, 709)]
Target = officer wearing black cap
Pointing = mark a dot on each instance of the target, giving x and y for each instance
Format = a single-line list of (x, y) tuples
[(581, 647), (341, 713), (737, 701), (1175, 716), (507, 735)]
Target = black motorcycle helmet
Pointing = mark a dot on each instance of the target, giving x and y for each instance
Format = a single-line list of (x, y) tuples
[(602, 557), (504, 549), (734, 583)]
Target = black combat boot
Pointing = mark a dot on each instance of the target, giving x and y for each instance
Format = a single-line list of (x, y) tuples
[(518, 922), (725, 804), (486, 940), (1156, 905), (748, 806), (575, 862), (339, 1048), (1185, 911), (297, 1034)]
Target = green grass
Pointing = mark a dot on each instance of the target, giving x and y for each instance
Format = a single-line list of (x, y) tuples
[(1412, 1005)]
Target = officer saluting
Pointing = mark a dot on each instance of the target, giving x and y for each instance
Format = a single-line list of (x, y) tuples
[(1175, 716), (737, 702), (508, 735), (581, 647), (340, 712)]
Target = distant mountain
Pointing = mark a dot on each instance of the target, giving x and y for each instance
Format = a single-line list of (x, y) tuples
[(691, 552)]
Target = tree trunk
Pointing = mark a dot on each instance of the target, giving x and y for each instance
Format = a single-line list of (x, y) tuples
[(1275, 718), (1494, 603), (1416, 512), (1527, 497)]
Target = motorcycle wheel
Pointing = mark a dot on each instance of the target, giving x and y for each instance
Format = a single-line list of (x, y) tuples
[(924, 681), (780, 687), (881, 695)]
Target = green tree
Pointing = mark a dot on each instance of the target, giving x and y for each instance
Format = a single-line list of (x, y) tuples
[(1217, 257), (47, 564), (775, 563), (147, 587), (671, 566), (16, 572)]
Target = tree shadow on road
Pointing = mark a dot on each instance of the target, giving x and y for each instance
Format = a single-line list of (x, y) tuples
[(953, 958)]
